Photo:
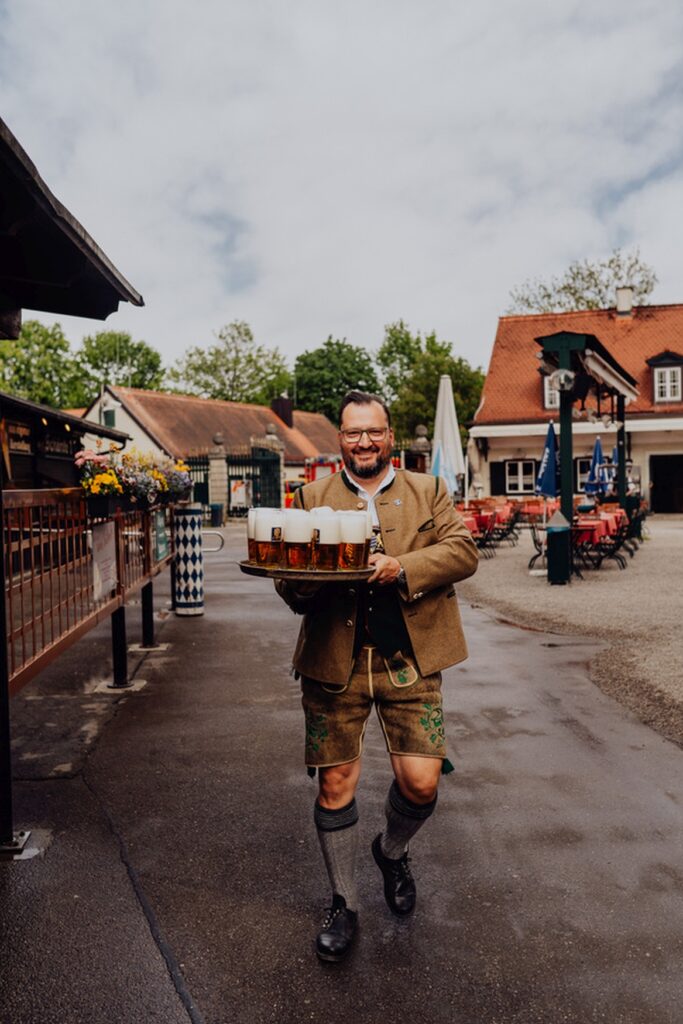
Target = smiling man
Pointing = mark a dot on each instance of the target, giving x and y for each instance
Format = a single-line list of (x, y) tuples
[(381, 643)]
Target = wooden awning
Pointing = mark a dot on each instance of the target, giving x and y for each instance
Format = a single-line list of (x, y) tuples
[(48, 261)]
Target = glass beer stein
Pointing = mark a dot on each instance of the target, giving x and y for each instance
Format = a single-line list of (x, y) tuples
[(326, 534), (353, 527), (268, 530), (298, 530)]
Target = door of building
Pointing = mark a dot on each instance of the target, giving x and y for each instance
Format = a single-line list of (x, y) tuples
[(666, 476)]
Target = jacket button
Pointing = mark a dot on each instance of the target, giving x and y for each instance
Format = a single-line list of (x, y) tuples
[(349, 622), (352, 592), (361, 504)]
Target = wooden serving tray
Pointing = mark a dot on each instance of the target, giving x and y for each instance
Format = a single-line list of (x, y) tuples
[(309, 575)]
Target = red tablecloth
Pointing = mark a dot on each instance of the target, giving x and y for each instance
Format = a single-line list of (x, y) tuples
[(470, 521)]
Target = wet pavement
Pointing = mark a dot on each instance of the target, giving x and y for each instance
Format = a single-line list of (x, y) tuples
[(181, 878)]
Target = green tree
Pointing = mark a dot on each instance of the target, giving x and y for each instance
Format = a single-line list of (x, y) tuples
[(112, 357), (586, 285), (425, 360), (396, 357), (39, 366), (325, 374), (235, 369)]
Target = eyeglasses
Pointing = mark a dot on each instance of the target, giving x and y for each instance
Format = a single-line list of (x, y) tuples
[(374, 434)]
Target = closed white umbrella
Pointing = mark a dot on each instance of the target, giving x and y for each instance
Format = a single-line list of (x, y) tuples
[(447, 457)]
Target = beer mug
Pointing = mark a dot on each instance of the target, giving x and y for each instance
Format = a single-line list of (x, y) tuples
[(268, 537), (326, 534), (353, 527), (251, 540), (298, 530)]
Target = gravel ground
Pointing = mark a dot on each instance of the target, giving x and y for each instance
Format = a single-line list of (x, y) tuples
[(638, 612)]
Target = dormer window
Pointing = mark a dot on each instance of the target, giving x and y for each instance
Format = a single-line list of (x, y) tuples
[(667, 371), (667, 380), (551, 397)]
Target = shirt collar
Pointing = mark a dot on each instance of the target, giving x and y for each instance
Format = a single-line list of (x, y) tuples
[(360, 490)]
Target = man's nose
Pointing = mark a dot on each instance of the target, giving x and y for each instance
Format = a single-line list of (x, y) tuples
[(364, 441)]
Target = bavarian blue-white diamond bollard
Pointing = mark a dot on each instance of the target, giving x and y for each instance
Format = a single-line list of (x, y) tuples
[(189, 564)]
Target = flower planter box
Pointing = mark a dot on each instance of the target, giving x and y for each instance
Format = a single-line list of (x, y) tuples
[(103, 506)]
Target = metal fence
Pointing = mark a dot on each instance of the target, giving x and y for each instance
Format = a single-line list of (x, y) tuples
[(254, 478), (198, 466), (53, 580)]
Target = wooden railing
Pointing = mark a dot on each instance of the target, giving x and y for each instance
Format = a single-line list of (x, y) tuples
[(57, 586)]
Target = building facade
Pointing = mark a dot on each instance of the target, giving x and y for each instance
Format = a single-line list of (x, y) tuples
[(506, 439)]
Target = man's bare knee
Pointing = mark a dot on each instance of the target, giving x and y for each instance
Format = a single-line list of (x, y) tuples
[(337, 784)]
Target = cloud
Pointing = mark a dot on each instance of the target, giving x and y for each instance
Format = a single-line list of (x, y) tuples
[(318, 168)]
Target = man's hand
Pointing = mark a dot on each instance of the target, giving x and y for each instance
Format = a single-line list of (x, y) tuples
[(386, 569)]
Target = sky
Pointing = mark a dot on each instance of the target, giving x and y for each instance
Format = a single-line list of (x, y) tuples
[(319, 168)]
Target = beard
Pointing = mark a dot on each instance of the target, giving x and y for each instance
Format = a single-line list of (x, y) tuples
[(365, 471)]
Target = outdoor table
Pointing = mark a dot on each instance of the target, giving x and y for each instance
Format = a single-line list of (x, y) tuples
[(483, 519), (470, 521)]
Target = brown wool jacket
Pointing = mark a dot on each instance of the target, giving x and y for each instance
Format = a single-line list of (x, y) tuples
[(421, 528)]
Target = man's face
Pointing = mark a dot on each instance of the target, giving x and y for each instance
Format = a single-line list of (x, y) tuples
[(364, 456)]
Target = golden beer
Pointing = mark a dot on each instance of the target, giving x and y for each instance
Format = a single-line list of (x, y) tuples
[(251, 549), (352, 556), (297, 555), (325, 557), (268, 537), (353, 530), (269, 552)]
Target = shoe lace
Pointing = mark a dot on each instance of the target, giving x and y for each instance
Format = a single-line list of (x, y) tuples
[(331, 914), (401, 867)]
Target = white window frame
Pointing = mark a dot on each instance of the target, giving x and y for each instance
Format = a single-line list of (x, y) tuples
[(583, 466), (551, 396), (514, 476), (667, 384)]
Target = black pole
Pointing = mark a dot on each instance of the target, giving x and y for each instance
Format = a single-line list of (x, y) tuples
[(6, 804), (621, 450), (119, 648), (148, 615), (173, 582), (566, 446)]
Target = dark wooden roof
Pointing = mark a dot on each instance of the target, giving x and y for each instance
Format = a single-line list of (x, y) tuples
[(48, 261), (185, 425)]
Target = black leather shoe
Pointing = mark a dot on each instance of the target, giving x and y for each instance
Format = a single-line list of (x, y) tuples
[(399, 884), (339, 928)]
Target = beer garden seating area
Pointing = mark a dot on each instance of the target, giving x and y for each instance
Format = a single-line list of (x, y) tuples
[(599, 533)]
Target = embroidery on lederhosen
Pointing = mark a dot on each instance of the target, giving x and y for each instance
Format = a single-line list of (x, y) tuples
[(400, 671), (432, 722), (316, 730)]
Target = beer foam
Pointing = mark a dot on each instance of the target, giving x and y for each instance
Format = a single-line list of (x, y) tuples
[(266, 520), (353, 527), (298, 526), (327, 528)]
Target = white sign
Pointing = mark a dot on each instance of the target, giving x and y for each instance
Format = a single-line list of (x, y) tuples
[(103, 560)]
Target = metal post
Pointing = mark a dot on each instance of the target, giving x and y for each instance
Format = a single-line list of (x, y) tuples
[(621, 450), (147, 596), (10, 842), (119, 649), (173, 584), (566, 445)]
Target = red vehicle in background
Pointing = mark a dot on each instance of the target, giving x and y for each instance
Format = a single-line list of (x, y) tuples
[(314, 469)]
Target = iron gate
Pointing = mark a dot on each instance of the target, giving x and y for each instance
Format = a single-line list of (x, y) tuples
[(254, 479), (199, 471)]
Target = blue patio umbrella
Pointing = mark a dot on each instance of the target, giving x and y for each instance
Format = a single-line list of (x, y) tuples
[(549, 470), (595, 481)]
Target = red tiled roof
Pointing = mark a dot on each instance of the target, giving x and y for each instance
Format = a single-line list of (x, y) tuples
[(185, 425), (513, 390)]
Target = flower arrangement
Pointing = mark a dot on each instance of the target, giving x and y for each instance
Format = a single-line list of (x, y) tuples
[(98, 473), (136, 476), (178, 479)]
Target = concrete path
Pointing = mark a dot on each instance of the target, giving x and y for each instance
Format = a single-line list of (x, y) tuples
[(183, 880)]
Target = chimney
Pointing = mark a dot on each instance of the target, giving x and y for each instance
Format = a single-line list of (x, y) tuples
[(282, 407), (625, 300)]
